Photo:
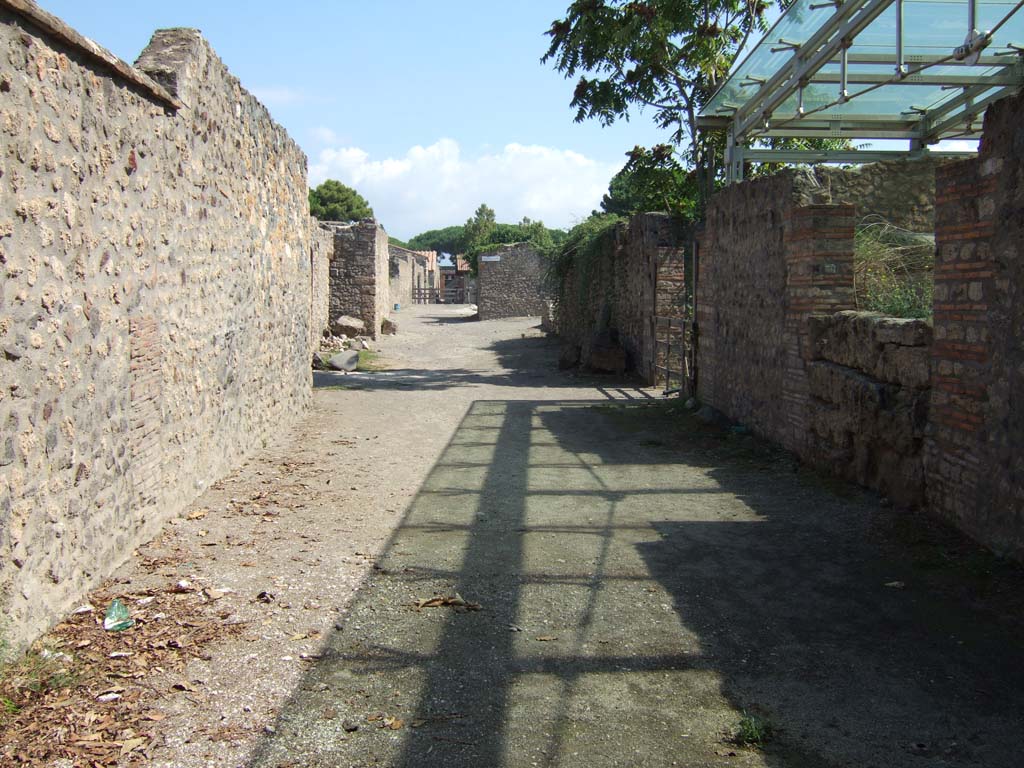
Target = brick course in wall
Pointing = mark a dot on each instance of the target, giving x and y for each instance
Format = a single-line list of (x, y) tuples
[(918, 413), (974, 451), (156, 302), (639, 276), (767, 263)]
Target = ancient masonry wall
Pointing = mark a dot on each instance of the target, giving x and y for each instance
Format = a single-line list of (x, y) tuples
[(156, 297), (974, 451), (768, 261), (360, 274), (411, 270), (920, 413), (868, 408), (400, 271), (638, 277), (902, 192), (510, 282), (321, 251)]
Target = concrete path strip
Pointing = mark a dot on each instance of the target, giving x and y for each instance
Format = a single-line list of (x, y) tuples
[(646, 592)]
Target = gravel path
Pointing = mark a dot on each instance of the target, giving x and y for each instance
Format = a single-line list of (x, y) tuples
[(623, 584)]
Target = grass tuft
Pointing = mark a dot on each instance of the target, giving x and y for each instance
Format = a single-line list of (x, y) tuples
[(892, 269), (754, 731)]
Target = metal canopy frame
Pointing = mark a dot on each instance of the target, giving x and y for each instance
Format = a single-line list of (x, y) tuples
[(859, 71)]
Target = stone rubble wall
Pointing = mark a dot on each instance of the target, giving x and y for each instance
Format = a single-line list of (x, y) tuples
[(410, 270), (901, 191), (513, 286), (360, 274), (638, 277), (869, 388), (156, 303), (321, 251), (768, 261), (925, 414), (400, 271), (974, 450)]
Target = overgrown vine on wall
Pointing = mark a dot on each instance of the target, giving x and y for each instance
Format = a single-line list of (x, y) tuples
[(588, 242)]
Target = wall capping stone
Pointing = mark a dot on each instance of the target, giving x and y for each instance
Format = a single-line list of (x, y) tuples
[(55, 27)]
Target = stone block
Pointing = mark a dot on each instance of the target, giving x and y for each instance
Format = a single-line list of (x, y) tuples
[(344, 361)]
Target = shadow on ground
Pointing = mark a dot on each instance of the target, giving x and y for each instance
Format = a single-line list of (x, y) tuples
[(527, 362), (642, 581)]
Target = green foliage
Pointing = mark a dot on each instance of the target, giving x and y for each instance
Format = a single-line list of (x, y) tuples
[(754, 731), (36, 672), (584, 246), (652, 180), (893, 269), (482, 233), (333, 201), (478, 227), (664, 56), (448, 240), (369, 362), (401, 243), (668, 56)]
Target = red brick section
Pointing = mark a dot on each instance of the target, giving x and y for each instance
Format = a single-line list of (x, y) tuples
[(819, 279), (669, 313), (144, 413), (974, 454), (960, 367), (766, 265)]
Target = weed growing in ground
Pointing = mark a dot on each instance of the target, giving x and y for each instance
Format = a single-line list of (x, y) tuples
[(754, 731), (35, 674), (369, 362), (893, 269)]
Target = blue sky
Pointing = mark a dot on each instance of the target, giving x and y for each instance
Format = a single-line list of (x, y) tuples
[(427, 108)]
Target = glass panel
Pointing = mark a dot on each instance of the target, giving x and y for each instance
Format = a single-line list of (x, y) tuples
[(931, 28)]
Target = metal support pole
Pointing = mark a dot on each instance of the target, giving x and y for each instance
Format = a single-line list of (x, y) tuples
[(844, 56), (729, 148), (901, 67)]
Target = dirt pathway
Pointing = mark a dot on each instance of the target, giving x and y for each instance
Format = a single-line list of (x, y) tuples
[(631, 583)]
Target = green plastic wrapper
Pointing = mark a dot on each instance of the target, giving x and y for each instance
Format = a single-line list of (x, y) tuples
[(117, 618)]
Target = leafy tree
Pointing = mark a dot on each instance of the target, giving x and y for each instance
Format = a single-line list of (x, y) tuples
[(447, 240), (666, 55), (478, 227), (652, 180), (454, 240), (333, 201)]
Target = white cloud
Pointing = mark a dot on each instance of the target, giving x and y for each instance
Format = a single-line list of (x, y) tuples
[(436, 186), (956, 145), (325, 135), (286, 96)]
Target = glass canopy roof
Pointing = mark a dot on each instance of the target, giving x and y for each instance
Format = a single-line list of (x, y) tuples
[(922, 70)]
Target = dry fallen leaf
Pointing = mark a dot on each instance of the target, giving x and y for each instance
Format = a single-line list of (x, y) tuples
[(130, 745), (199, 514), (546, 638), (456, 601)]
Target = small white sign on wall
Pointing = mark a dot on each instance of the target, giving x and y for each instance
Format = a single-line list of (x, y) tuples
[(490, 258)]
